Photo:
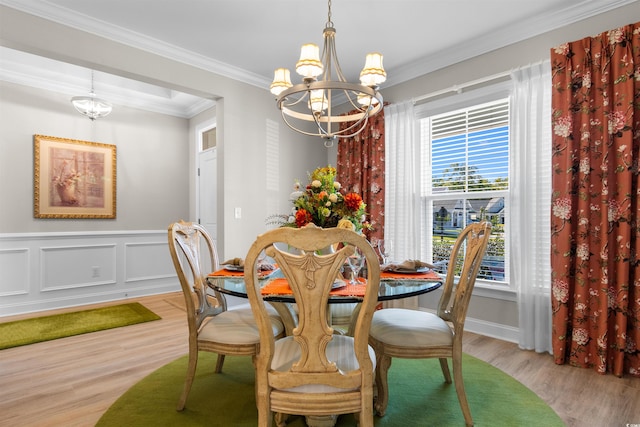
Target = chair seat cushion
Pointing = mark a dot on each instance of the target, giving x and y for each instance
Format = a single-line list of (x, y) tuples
[(410, 328), (236, 326), (341, 313), (339, 350)]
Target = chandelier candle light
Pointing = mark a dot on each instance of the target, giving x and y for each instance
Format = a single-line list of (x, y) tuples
[(313, 100)]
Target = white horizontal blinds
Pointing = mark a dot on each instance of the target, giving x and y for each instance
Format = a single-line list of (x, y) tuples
[(470, 149), (467, 176)]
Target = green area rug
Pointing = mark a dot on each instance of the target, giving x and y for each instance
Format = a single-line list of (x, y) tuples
[(418, 396), (45, 328)]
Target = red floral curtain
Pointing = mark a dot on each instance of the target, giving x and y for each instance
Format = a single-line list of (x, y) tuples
[(596, 215), (360, 168)]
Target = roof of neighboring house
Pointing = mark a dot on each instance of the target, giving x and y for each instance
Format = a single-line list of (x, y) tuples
[(494, 205)]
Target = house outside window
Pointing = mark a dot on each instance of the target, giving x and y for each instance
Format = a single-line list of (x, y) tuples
[(465, 179)]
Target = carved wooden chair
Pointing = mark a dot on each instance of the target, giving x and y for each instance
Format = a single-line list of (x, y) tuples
[(314, 372), (413, 334), (211, 326)]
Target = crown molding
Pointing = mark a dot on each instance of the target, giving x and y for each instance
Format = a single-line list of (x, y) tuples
[(71, 80), (517, 32), (503, 37), (118, 34)]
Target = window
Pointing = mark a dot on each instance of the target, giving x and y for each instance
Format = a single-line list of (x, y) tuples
[(465, 179)]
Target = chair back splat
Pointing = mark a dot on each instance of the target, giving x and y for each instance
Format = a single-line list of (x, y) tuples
[(211, 326), (314, 372), (464, 265)]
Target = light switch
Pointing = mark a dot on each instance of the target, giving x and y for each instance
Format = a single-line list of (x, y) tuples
[(238, 213)]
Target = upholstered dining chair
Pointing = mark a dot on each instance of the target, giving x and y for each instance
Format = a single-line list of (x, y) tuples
[(314, 372), (211, 326), (413, 334)]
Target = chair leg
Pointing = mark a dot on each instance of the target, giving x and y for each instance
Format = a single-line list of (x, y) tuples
[(445, 370), (364, 418), (281, 419), (382, 367), (462, 396), (191, 373), (219, 363)]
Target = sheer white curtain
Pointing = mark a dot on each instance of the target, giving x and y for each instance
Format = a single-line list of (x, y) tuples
[(403, 209), (531, 203)]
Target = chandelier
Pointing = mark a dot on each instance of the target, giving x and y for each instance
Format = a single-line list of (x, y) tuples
[(90, 105), (314, 100)]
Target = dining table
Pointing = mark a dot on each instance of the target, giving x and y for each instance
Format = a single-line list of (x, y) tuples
[(275, 290)]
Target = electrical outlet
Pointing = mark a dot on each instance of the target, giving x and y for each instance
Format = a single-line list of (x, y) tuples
[(95, 271)]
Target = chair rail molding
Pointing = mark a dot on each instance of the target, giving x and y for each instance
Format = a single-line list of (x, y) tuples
[(44, 271)]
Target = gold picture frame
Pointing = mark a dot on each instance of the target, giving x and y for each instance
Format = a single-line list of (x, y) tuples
[(73, 178)]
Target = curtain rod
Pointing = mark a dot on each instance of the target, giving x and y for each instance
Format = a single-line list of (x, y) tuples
[(460, 87)]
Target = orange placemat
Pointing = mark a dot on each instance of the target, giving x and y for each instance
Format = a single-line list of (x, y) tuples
[(228, 273), (280, 286), (428, 275)]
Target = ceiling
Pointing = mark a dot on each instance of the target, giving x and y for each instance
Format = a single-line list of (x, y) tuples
[(248, 39)]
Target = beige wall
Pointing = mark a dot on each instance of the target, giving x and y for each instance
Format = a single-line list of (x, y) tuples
[(242, 113), (151, 152), (516, 55), (490, 311)]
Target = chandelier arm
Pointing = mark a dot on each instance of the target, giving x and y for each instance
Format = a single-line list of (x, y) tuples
[(305, 116), (362, 122), (286, 120), (323, 85), (334, 56), (321, 132)]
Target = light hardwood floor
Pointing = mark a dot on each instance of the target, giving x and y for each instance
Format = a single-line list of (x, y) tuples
[(72, 381)]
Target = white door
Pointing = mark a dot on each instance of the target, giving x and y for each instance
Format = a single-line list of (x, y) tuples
[(207, 181)]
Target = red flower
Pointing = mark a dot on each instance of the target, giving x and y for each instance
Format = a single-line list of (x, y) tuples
[(353, 201), (303, 217)]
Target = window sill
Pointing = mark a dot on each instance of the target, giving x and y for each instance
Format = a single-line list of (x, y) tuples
[(492, 290)]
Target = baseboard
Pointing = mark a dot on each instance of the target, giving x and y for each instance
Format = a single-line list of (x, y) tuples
[(85, 299), (489, 329), (493, 330)]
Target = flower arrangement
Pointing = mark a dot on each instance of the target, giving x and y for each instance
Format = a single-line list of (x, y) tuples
[(322, 203), (65, 182), (65, 178)]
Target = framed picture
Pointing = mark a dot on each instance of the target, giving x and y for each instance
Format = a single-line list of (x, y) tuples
[(73, 179)]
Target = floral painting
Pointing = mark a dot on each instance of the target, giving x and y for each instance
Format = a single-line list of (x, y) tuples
[(73, 179)]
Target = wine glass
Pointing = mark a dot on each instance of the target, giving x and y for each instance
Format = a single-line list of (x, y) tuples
[(385, 248), (356, 262)]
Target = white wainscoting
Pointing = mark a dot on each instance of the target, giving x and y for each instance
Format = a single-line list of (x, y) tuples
[(44, 271)]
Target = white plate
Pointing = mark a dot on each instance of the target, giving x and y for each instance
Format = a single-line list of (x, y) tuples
[(234, 267), (338, 284), (410, 271)]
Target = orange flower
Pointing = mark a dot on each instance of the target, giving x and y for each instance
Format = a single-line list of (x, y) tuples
[(303, 217), (353, 201)]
